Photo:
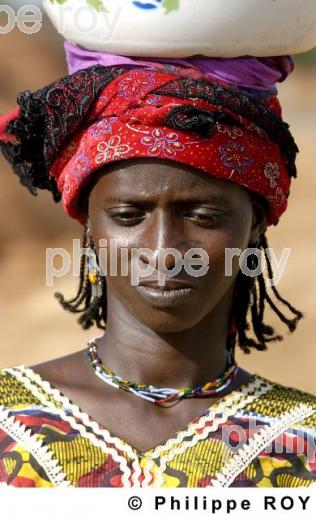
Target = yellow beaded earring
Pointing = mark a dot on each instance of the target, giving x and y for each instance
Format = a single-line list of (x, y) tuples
[(93, 270)]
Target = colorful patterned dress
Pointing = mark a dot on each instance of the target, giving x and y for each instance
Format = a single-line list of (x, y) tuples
[(262, 434)]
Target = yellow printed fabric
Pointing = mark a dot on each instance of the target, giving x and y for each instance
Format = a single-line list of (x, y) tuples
[(262, 434)]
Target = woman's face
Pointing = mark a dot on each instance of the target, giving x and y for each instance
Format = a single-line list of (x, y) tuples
[(160, 204)]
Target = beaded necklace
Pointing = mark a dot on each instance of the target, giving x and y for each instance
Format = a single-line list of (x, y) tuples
[(160, 396)]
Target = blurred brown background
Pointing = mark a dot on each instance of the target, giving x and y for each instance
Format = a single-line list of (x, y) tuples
[(34, 327)]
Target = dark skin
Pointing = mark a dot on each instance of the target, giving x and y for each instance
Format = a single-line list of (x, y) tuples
[(173, 347)]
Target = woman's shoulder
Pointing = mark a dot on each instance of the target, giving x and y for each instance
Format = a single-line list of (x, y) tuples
[(285, 401), (17, 391), (291, 392), (21, 384), (12, 389)]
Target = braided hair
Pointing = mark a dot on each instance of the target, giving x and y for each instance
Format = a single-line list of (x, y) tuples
[(42, 134)]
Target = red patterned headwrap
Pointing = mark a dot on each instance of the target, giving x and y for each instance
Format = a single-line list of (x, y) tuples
[(59, 136)]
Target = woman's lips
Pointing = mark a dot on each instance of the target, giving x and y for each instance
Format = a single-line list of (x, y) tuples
[(165, 298)]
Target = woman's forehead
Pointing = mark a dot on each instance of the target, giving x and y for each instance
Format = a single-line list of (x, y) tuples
[(155, 178)]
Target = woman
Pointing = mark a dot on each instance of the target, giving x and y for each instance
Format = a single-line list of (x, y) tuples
[(159, 156)]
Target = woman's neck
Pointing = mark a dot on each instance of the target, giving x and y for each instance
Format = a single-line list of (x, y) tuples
[(165, 359)]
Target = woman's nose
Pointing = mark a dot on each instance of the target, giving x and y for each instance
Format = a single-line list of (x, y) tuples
[(164, 239)]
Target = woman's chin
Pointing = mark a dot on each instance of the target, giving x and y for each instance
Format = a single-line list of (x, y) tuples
[(166, 321)]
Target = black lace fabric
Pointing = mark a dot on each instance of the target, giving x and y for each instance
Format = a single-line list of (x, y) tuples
[(48, 118)]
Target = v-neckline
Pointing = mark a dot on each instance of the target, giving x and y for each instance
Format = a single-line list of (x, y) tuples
[(78, 413)]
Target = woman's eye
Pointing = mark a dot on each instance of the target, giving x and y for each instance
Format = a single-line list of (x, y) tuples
[(133, 217), (206, 217), (127, 217)]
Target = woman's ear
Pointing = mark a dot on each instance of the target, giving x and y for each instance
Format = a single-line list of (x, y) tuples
[(259, 220)]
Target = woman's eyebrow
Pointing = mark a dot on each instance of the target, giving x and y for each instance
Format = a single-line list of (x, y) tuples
[(128, 199)]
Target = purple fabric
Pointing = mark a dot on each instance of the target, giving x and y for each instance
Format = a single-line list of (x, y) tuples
[(245, 71)]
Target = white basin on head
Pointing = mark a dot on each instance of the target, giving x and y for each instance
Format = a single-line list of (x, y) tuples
[(182, 28)]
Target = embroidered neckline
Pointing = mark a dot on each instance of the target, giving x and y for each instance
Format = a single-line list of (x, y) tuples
[(230, 402)]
